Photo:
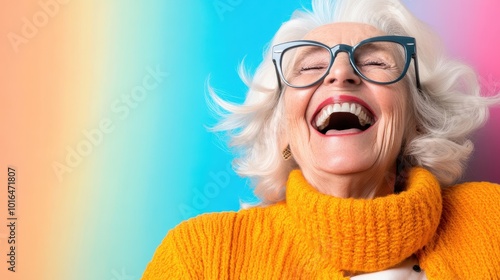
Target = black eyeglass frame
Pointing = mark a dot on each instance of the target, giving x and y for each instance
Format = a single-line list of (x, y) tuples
[(408, 43)]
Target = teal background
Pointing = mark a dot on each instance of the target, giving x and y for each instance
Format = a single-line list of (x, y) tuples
[(161, 165)]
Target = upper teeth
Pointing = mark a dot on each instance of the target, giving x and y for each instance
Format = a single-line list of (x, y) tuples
[(323, 117)]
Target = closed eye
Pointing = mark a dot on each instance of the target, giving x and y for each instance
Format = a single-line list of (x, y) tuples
[(374, 63), (311, 68)]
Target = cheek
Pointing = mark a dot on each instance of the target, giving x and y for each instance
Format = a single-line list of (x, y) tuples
[(393, 122), (393, 103), (397, 111), (296, 105), (402, 114)]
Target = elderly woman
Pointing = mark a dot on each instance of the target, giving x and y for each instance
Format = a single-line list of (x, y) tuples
[(354, 140)]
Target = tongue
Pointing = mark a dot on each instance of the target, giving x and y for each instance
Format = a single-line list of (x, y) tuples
[(344, 131)]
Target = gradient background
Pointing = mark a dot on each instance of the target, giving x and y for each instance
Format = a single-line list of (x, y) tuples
[(104, 218)]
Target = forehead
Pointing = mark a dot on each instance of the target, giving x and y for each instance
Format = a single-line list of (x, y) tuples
[(349, 33)]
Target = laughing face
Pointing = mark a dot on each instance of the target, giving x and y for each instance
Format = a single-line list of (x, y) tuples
[(345, 133)]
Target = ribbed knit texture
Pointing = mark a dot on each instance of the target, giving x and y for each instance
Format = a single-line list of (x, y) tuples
[(361, 234), (467, 242), (316, 236)]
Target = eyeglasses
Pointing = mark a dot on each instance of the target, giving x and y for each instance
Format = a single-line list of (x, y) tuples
[(380, 60)]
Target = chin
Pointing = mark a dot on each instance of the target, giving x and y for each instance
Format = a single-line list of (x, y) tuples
[(345, 165)]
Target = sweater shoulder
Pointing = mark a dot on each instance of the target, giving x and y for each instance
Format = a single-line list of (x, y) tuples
[(470, 201), (215, 224), (179, 254), (476, 191), (472, 205), (203, 247), (467, 242)]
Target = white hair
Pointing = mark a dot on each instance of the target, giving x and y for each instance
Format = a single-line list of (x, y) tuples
[(447, 111)]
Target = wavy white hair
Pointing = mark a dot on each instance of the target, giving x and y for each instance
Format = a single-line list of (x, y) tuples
[(447, 112)]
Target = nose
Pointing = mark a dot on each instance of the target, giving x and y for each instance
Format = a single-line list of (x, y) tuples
[(341, 73)]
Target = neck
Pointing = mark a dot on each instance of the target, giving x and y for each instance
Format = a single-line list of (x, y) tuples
[(366, 184)]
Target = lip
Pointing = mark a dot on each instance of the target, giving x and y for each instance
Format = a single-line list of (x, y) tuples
[(338, 100)]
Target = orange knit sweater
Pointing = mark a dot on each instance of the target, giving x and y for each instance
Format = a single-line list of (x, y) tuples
[(455, 234)]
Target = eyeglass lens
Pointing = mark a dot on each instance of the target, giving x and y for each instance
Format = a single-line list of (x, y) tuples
[(381, 62)]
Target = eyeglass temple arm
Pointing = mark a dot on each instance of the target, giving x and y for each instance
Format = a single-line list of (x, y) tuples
[(417, 76), (280, 87)]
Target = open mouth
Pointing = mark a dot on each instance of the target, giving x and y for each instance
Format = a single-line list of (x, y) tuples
[(343, 116)]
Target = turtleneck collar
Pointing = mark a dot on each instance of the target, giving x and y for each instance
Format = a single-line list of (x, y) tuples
[(366, 235)]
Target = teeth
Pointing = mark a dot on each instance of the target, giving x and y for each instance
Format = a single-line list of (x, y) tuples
[(336, 108), (324, 116), (353, 108)]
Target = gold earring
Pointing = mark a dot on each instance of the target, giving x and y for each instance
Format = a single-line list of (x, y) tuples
[(287, 153)]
